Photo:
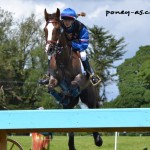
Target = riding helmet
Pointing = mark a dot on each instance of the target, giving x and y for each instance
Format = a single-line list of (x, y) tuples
[(68, 13)]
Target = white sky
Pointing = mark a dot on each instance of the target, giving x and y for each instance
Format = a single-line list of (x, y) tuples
[(134, 28)]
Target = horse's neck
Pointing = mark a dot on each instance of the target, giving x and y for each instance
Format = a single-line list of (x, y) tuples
[(66, 51), (68, 60)]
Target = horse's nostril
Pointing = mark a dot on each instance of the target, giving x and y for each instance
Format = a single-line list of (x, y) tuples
[(51, 49)]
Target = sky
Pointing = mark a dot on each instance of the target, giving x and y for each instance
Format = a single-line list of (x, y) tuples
[(130, 23)]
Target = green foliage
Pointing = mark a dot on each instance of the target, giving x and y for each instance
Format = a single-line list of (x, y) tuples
[(105, 49), (86, 142), (134, 80), (22, 61)]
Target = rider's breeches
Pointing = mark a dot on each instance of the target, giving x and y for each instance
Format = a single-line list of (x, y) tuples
[(83, 56), (85, 62)]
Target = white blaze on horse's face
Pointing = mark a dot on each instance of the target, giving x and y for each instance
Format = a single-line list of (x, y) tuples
[(50, 28)]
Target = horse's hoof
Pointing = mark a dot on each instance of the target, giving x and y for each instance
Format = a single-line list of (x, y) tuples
[(98, 140)]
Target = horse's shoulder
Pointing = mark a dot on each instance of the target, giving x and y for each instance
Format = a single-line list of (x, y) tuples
[(76, 54), (53, 62)]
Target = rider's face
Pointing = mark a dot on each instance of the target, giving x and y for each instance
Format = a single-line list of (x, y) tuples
[(67, 22)]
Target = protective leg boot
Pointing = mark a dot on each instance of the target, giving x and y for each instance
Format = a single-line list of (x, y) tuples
[(59, 97), (87, 67)]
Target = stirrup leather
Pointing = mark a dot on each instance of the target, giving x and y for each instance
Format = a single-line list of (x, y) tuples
[(97, 78)]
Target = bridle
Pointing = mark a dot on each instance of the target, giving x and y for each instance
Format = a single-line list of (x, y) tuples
[(46, 32), (53, 45)]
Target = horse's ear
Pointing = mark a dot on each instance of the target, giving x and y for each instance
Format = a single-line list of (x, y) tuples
[(45, 14), (58, 13)]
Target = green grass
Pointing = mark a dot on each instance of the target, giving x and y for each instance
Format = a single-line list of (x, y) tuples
[(87, 143)]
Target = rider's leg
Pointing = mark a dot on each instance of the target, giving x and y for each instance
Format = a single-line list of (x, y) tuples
[(85, 63), (94, 79)]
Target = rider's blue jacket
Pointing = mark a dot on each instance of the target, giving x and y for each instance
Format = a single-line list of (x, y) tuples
[(79, 36)]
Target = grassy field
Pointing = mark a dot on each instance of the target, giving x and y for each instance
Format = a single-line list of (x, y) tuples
[(87, 143)]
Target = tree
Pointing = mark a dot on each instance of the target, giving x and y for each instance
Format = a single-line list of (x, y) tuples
[(134, 80), (22, 61), (105, 49), (6, 41)]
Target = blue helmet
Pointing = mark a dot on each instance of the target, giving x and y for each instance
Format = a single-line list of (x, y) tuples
[(68, 13)]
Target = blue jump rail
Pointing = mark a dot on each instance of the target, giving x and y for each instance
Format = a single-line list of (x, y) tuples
[(130, 119), (137, 119)]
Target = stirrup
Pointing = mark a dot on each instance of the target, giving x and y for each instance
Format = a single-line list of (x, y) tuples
[(93, 78)]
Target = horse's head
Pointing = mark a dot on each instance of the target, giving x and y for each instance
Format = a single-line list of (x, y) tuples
[(51, 30), (55, 37)]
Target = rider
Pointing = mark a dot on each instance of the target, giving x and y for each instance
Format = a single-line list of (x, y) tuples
[(78, 36)]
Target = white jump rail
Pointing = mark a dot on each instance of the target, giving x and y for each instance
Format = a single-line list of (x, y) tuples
[(76, 120)]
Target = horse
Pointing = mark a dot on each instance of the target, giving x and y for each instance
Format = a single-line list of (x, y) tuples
[(66, 72)]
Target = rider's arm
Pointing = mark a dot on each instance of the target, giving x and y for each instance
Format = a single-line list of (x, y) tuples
[(83, 40)]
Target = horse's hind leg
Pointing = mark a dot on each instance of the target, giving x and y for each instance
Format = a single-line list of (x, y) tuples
[(71, 104), (97, 139), (90, 98), (71, 141)]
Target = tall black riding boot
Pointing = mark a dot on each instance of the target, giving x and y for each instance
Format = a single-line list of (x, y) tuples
[(87, 68), (95, 79)]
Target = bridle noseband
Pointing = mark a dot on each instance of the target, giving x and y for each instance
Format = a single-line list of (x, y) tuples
[(54, 46), (46, 30)]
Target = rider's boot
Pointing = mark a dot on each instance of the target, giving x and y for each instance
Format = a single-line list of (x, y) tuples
[(44, 80), (94, 79)]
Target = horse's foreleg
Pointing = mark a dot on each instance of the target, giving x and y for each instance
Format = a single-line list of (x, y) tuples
[(80, 81), (52, 91), (76, 85), (97, 139), (71, 141), (60, 97)]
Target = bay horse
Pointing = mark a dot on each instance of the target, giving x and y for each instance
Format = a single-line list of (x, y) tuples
[(65, 71)]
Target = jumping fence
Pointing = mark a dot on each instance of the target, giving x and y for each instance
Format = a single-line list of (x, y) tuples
[(76, 120)]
